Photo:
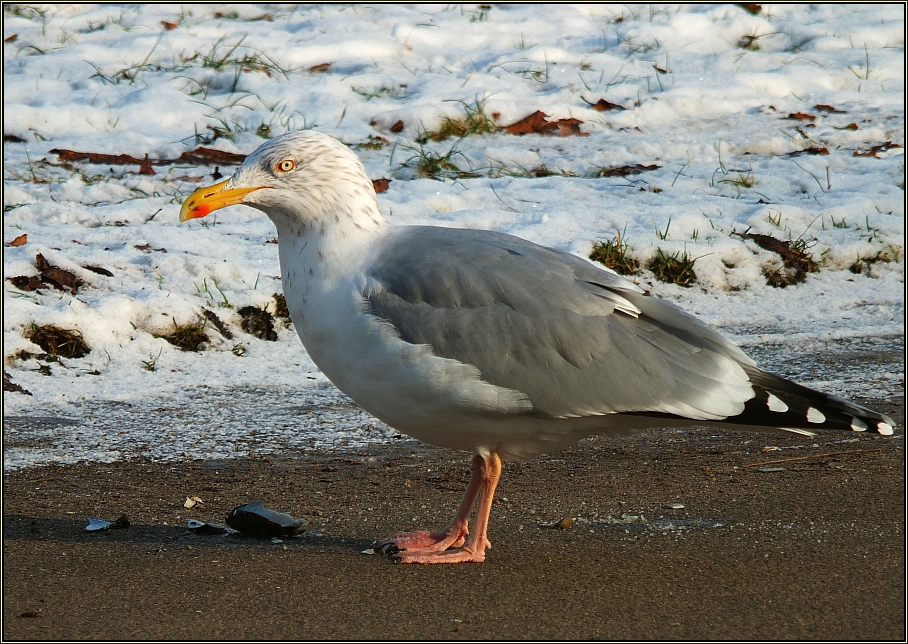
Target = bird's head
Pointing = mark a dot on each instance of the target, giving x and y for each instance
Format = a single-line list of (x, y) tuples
[(300, 179)]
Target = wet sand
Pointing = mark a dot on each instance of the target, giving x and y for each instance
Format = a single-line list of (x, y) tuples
[(814, 550)]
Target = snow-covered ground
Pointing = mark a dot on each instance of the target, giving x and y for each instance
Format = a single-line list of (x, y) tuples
[(709, 92)]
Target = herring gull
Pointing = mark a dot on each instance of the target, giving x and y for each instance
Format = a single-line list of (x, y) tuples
[(480, 341)]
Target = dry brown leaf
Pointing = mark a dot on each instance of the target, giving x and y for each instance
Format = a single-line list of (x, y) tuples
[(145, 166), (603, 105), (537, 123), (168, 26), (27, 282), (199, 156), (94, 157), (99, 270), (801, 116), (146, 248), (207, 156), (822, 151), (380, 185), (828, 108), (397, 127), (322, 67), (534, 123), (21, 240), (570, 127), (12, 38), (59, 278), (625, 170), (872, 152)]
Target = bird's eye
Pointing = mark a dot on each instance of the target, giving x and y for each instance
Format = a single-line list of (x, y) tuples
[(285, 166)]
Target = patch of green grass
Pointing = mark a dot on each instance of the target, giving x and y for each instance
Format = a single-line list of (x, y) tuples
[(436, 165), (255, 61), (613, 254), (475, 121), (672, 268), (152, 363), (187, 337), (744, 179), (204, 290)]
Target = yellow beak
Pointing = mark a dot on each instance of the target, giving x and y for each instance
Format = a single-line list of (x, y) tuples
[(206, 200)]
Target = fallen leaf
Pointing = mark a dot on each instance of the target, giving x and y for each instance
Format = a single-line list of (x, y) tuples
[(93, 157), (397, 127), (625, 170), (99, 270), (814, 150), (380, 185), (874, 149), (535, 122), (59, 278), (11, 38), (208, 156), (751, 7), (21, 240), (317, 69), (801, 116), (199, 156), (538, 123), (145, 166), (828, 108), (147, 248), (168, 26), (570, 127), (12, 138), (27, 282), (603, 105), (792, 257)]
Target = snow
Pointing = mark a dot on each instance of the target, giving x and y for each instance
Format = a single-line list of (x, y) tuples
[(708, 90)]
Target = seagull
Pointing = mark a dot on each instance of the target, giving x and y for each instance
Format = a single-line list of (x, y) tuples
[(480, 341)]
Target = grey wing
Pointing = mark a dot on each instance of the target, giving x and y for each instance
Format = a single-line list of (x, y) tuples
[(576, 339)]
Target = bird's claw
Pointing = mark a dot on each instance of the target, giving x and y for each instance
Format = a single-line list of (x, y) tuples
[(386, 548)]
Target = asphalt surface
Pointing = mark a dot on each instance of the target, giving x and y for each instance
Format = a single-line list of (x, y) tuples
[(779, 537)]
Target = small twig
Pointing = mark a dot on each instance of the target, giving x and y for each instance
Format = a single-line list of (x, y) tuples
[(804, 458)]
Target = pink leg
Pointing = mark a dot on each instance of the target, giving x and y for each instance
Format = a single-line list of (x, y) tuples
[(432, 547)]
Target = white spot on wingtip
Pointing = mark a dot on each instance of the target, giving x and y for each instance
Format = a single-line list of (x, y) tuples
[(858, 425), (884, 428), (776, 404), (815, 416)]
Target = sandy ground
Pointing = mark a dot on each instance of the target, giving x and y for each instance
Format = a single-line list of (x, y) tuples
[(814, 550)]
